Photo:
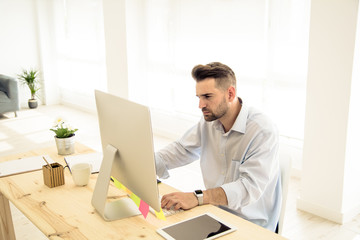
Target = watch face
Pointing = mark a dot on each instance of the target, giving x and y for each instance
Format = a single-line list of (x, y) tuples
[(198, 192)]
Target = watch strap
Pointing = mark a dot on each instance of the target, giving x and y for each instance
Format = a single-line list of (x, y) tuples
[(200, 196)]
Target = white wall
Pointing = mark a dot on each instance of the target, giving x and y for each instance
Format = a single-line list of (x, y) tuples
[(351, 198), (47, 52), (19, 40), (330, 178), (116, 47)]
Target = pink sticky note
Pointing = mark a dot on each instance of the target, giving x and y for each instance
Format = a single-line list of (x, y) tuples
[(144, 208)]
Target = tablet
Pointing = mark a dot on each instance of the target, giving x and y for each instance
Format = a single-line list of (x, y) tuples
[(206, 226)]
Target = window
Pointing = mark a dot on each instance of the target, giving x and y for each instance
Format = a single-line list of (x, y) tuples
[(264, 42), (79, 49)]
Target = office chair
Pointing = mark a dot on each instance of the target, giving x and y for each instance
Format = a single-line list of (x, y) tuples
[(9, 97), (285, 166)]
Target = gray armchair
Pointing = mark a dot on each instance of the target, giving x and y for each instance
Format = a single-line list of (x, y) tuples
[(9, 98)]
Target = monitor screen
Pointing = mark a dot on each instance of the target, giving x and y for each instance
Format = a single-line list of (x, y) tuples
[(127, 143)]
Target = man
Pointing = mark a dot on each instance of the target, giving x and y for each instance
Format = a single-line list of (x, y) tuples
[(237, 147)]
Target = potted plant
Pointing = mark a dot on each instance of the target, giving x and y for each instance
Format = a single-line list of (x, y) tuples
[(64, 137), (30, 78)]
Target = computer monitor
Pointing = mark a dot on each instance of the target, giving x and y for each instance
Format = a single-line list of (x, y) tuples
[(128, 156)]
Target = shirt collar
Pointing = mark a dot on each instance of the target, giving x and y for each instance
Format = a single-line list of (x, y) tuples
[(240, 122)]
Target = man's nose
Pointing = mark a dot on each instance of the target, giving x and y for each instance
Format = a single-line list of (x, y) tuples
[(201, 104)]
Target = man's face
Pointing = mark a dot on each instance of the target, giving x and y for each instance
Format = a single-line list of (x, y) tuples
[(212, 100)]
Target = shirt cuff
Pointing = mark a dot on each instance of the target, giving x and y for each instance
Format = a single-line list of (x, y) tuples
[(234, 192)]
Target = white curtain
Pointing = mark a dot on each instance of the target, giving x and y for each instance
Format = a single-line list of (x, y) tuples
[(80, 51), (264, 42)]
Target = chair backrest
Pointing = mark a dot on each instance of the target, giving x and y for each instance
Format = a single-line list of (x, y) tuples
[(285, 166), (9, 94)]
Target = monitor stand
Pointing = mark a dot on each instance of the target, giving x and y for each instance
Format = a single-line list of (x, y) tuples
[(110, 211)]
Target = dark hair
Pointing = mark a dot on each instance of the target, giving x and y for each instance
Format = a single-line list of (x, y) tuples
[(223, 75)]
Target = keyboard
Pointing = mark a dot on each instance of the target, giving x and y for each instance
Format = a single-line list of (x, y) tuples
[(171, 211), (167, 212)]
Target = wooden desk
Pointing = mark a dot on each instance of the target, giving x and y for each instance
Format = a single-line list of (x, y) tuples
[(65, 212)]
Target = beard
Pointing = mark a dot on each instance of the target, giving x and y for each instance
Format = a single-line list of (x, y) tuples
[(219, 112)]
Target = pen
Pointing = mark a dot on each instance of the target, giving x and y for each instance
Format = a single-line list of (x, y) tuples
[(46, 162)]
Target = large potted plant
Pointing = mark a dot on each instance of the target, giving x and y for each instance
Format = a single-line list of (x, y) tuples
[(30, 78)]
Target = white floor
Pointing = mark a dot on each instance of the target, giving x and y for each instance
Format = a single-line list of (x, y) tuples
[(31, 130)]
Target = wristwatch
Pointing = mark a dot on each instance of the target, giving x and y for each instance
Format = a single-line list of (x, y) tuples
[(200, 196)]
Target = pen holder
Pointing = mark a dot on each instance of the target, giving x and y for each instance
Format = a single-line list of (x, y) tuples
[(53, 175)]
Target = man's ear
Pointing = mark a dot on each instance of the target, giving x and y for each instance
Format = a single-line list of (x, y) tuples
[(231, 93)]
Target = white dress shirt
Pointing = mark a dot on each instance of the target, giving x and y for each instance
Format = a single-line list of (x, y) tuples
[(242, 161)]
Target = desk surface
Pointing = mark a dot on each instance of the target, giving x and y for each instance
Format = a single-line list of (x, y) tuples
[(65, 212)]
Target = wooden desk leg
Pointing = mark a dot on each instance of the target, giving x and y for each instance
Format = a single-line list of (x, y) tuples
[(6, 225)]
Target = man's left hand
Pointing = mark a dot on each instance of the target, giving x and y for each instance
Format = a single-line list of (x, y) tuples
[(179, 200)]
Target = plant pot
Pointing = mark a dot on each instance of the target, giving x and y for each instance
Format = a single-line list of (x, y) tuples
[(65, 146), (32, 103)]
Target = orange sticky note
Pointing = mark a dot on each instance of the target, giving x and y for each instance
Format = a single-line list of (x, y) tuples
[(128, 191), (120, 186)]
